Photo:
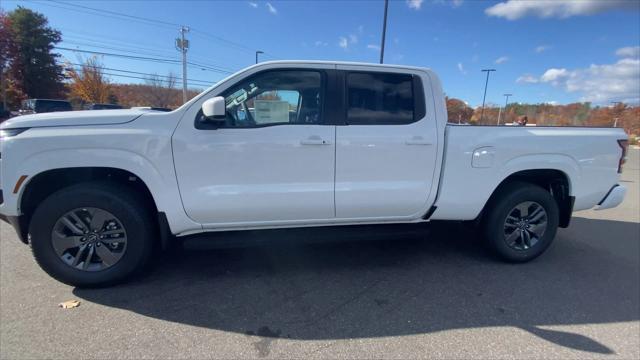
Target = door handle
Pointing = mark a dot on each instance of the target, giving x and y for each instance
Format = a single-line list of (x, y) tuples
[(314, 140), (418, 140)]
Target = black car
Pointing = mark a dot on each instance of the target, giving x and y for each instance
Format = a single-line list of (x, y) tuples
[(102, 106), (31, 106)]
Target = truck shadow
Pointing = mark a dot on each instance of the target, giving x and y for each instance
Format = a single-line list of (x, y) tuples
[(409, 281)]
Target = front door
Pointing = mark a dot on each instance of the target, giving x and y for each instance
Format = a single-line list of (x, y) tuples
[(273, 159)]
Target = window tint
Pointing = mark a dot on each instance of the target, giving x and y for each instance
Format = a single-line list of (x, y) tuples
[(275, 97), (379, 99)]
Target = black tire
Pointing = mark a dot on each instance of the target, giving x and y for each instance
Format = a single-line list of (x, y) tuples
[(115, 198), (501, 206)]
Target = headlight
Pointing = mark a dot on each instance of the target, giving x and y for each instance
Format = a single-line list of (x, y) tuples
[(5, 133)]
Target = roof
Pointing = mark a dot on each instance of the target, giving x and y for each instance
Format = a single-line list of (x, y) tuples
[(347, 63)]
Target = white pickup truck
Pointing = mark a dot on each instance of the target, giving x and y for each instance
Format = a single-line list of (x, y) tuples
[(290, 144)]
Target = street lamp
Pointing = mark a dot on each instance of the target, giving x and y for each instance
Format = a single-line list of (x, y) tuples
[(258, 52), (488, 71), (615, 119), (506, 101), (384, 30)]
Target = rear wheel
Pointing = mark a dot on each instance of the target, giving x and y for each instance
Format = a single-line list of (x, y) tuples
[(92, 234), (521, 221)]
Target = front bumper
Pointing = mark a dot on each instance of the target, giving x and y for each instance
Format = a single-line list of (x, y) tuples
[(613, 198)]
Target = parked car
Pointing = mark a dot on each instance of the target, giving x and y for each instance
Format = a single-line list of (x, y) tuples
[(4, 113), (102, 106), (368, 144), (34, 106)]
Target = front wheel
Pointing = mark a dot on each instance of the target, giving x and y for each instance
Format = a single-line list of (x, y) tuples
[(521, 221), (92, 234)]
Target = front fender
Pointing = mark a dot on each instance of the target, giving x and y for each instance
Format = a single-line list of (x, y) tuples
[(161, 184)]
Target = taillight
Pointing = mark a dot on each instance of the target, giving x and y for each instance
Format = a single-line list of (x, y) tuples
[(624, 144)]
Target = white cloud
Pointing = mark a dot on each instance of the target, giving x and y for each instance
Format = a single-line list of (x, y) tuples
[(600, 83), (514, 9), (414, 4), (272, 9), (551, 102), (629, 52), (502, 59), (554, 76), (360, 29), (320, 43), (253, 4), (343, 42), (453, 3), (461, 69), (353, 39), (373, 47), (527, 79), (542, 48)]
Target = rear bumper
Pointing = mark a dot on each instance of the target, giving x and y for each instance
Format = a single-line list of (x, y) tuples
[(613, 198), (17, 225)]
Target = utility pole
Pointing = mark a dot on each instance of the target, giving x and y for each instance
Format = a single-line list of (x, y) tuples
[(182, 45), (506, 101), (488, 71), (615, 119), (258, 52), (384, 30)]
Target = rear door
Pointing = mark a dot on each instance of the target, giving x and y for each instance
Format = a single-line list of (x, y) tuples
[(386, 150)]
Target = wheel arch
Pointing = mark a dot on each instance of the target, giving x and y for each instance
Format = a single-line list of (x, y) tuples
[(556, 181), (45, 183)]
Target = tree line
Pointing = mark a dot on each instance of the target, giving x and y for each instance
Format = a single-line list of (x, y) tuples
[(576, 114)]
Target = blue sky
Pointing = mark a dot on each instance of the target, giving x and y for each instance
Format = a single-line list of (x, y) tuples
[(544, 51)]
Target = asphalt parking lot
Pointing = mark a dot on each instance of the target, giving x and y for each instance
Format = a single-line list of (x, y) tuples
[(414, 292)]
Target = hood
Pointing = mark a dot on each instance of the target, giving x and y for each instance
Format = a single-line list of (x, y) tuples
[(72, 118)]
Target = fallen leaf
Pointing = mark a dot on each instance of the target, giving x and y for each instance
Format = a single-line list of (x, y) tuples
[(69, 304)]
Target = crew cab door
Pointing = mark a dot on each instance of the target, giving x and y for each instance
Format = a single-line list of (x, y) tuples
[(386, 150), (271, 161)]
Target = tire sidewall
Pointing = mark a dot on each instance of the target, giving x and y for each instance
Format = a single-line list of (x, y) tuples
[(120, 202), (510, 197)]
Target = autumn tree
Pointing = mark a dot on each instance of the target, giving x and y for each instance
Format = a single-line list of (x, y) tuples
[(458, 111), (11, 94), (88, 84), (32, 66), (161, 90)]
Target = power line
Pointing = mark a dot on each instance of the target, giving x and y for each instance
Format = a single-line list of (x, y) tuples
[(149, 21), (138, 77), (113, 48), (111, 14), (137, 72), (135, 48), (144, 58)]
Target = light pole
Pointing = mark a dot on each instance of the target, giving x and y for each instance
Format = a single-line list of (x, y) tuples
[(506, 101), (615, 119), (488, 71), (258, 52), (384, 30)]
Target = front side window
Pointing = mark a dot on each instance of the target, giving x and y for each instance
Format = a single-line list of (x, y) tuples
[(379, 99), (274, 98)]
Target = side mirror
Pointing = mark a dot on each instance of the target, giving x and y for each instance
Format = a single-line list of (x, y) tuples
[(214, 108)]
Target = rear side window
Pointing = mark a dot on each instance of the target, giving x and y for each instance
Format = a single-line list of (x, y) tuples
[(380, 99)]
